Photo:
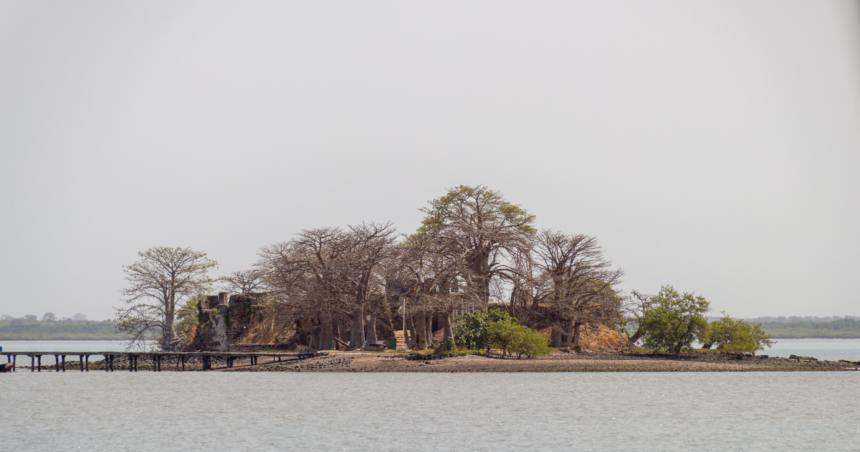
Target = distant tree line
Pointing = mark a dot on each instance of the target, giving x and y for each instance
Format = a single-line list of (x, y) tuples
[(30, 328), (844, 328)]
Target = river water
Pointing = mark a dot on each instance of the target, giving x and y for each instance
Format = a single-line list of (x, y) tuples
[(244, 411)]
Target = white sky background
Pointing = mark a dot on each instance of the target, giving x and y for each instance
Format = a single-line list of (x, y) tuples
[(714, 146)]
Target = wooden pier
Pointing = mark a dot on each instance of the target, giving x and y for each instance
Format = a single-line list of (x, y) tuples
[(175, 361)]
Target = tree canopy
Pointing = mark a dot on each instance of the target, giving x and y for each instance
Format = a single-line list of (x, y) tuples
[(674, 321)]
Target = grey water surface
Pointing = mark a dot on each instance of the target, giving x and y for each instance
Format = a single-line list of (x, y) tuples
[(239, 411)]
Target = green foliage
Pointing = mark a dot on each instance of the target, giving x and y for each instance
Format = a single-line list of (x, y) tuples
[(22, 329), (470, 329), (492, 207), (443, 346), (502, 334), (674, 320), (497, 329), (737, 336), (530, 343)]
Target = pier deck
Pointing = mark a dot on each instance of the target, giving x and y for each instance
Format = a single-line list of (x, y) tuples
[(169, 360)]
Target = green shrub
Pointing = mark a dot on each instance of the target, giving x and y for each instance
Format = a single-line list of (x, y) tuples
[(470, 329), (736, 336), (444, 346), (674, 321), (530, 343)]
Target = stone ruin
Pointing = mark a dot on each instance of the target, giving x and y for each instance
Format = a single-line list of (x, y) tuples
[(223, 321)]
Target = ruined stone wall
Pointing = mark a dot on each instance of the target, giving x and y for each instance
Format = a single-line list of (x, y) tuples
[(222, 322)]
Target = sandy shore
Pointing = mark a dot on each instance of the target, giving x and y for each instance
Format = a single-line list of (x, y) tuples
[(556, 362)]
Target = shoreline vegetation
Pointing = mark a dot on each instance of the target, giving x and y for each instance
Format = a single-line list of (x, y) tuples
[(59, 330), (93, 330)]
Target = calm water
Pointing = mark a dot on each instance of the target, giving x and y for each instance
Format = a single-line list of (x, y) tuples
[(428, 412), (829, 349)]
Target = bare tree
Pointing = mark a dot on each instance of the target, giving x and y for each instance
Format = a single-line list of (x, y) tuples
[(163, 278), (478, 227), (634, 305), (578, 283), (244, 281), (369, 245)]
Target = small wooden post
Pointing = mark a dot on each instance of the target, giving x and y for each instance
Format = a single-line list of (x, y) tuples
[(111, 362), (14, 364), (57, 363), (32, 363), (40, 363), (183, 362), (64, 363), (81, 359), (87, 358)]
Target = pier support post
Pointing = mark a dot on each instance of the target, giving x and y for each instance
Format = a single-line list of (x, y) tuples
[(81, 359), (40, 363), (64, 362), (88, 362), (32, 363), (14, 364), (57, 363), (183, 362)]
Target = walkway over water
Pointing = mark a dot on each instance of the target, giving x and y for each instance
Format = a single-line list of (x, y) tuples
[(158, 360)]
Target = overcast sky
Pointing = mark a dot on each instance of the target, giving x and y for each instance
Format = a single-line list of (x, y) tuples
[(714, 146)]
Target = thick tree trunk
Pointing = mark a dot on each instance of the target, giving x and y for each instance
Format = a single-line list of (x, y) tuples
[(577, 331), (356, 336), (555, 337), (371, 330), (568, 336), (421, 326), (326, 333), (413, 340), (446, 325), (428, 339)]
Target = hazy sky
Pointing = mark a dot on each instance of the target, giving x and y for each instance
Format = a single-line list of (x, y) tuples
[(714, 146)]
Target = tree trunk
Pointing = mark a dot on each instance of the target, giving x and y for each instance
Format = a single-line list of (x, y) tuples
[(356, 336), (421, 326), (326, 333), (446, 325), (636, 336), (577, 331), (568, 335), (371, 330), (428, 320), (555, 337), (413, 341), (406, 331)]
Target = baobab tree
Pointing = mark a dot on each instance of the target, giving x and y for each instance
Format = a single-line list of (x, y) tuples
[(163, 278), (478, 227), (578, 282)]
